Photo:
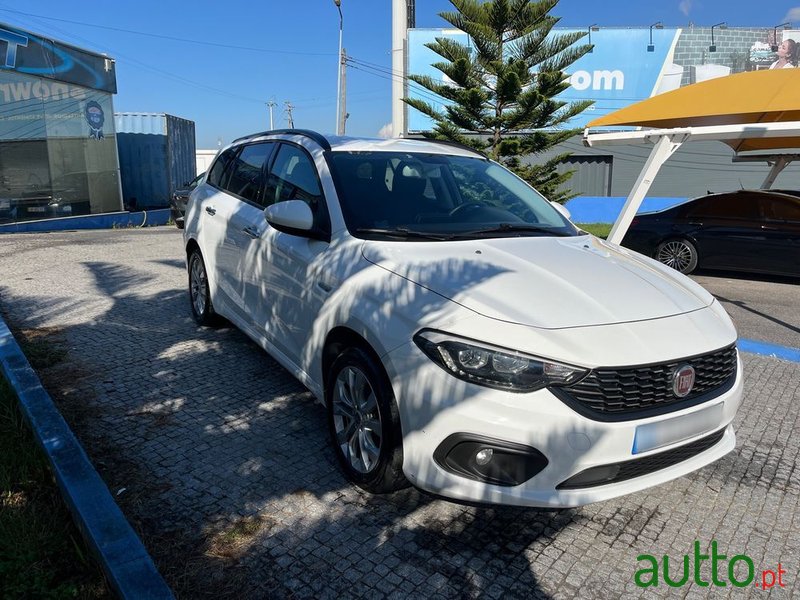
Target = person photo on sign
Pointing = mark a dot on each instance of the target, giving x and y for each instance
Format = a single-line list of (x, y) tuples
[(787, 55)]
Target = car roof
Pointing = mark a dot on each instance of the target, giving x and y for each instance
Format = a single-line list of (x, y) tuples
[(335, 143)]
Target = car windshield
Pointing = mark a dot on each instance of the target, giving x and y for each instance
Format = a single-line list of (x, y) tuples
[(412, 196)]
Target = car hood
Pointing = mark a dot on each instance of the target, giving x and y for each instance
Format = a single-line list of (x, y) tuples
[(545, 282)]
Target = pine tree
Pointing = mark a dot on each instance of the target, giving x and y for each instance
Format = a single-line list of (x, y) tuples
[(504, 84)]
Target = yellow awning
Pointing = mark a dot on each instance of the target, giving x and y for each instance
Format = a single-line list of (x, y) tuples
[(768, 96)]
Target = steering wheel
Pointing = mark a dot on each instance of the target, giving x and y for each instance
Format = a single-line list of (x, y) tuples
[(465, 207)]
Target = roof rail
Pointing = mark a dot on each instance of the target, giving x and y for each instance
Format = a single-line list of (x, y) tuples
[(452, 143), (317, 137)]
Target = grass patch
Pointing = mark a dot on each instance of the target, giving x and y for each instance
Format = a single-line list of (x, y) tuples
[(41, 552), (601, 230)]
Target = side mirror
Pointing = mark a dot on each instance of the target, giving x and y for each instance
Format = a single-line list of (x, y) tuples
[(292, 216), (562, 210)]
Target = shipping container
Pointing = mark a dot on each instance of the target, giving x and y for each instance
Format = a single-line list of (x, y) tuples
[(156, 157)]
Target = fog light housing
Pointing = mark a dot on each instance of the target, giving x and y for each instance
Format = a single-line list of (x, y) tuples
[(591, 477), (488, 460)]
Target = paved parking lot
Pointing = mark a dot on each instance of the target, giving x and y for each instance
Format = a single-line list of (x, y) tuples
[(221, 460)]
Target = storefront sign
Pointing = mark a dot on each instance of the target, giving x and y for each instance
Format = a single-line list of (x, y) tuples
[(27, 53)]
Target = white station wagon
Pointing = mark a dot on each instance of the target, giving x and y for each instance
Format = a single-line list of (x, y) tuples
[(462, 334)]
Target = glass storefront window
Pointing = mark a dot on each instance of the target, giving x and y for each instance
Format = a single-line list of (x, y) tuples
[(58, 153)]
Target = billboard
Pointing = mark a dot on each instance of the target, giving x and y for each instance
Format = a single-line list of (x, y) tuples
[(625, 66), (27, 53)]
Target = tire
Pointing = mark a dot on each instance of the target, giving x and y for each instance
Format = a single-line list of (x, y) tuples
[(199, 294), (364, 423), (678, 253)]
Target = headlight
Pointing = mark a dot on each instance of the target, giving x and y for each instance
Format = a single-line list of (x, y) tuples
[(494, 367)]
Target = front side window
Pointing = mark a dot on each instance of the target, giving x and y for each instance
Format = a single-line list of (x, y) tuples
[(439, 196), (293, 176)]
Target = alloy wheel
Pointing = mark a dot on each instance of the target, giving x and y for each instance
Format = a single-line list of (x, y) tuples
[(675, 254), (198, 286), (357, 420)]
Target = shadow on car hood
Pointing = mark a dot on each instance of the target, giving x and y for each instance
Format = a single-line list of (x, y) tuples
[(546, 282)]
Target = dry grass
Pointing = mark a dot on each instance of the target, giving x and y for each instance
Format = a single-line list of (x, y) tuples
[(41, 552)]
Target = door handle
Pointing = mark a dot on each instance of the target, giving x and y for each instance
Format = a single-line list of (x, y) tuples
[(211, 210), (252, 232), (768, 228)]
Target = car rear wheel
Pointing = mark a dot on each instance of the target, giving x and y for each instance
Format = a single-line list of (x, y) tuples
[(364, 423), (199, 295), (680, 254)]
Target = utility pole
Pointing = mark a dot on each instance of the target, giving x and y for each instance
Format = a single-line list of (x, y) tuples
[(339, 131), (289, 108), (343, 100), (403, 16), (270, 105)]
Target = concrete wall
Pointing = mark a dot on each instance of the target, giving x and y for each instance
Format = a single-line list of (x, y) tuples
[(694, 169)]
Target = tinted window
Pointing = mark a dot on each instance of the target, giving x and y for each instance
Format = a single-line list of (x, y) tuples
[(245, 178), (784, 209), (217, 176), (728, 206), (293, 177)]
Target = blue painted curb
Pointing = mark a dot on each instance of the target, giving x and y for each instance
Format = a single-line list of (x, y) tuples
[(773, 350), (146, 218), (127, 566)]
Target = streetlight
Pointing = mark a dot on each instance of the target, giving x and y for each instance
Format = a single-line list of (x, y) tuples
[(713, 46), (338, 4), (658, 25), (591, 29), (775, 35)]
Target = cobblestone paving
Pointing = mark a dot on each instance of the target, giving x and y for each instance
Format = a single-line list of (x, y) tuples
[(221, 460)]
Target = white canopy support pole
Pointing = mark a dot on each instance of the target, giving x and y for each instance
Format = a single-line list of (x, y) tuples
[(662, 150), (778, 166)]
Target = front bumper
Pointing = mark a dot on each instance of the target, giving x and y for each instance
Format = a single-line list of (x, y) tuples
[(435, 406)]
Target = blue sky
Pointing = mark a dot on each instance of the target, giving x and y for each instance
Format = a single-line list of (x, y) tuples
[(292, 55)]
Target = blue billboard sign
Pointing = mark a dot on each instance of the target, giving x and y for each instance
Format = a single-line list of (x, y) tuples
[(623, 68)]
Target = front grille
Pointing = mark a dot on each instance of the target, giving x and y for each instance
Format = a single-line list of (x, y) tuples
[(640, 466), (628, 392)]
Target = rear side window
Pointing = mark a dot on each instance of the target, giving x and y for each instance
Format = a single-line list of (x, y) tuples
[(218, 175), (728, 206), (246, 172), (783, 209)]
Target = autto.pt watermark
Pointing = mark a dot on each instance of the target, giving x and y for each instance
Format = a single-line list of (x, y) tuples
[(712, 569)]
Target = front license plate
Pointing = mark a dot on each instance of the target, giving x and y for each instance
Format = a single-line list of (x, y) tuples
[(663, 433), (36, 209)]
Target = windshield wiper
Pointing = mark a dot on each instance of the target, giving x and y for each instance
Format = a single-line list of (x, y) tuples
[(403, 232), (513, 228)]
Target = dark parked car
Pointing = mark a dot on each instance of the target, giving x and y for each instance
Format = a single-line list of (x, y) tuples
[(745, 230), (177, 202)]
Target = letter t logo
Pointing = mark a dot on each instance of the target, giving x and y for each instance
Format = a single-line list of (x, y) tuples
[(12, 40)]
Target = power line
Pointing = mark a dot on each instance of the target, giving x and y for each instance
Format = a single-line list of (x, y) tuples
[(170, 37), (167, 74)]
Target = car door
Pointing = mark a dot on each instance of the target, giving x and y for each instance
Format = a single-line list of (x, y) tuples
[(211, 207), (290, 289), (234, 213), (728, 231), (782, 232)]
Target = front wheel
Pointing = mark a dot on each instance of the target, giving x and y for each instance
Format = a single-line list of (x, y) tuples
[(680, 254), (364, 423)]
